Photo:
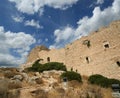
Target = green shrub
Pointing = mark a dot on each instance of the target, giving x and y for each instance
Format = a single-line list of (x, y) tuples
[(87, 42), (114, 81), (47, 66), (56, 66), (99, 80), (36, 65), (71, 75), (52, 66), (102, 81)]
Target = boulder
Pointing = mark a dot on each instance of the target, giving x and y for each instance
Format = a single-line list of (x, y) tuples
[(31, 80), (18, 77), (37, 74), (25, 76), (15, 84), (39, 80)]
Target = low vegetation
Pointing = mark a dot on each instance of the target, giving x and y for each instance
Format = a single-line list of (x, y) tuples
[(102, 81), (71, 75), (87, 43), (47, 66), (15, 85), (9, 74)]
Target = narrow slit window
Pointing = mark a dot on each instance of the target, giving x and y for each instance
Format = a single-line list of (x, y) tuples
[(87, 59)]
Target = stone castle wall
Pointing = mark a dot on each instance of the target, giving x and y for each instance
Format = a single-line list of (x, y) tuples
[(99, 58), (54, 55)]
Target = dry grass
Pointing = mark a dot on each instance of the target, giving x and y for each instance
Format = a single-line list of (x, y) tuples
[(39, 93), (13, 94), (3, 88), (15, 85), (74, 84), (75, 89), (10, 72), (39, 81)]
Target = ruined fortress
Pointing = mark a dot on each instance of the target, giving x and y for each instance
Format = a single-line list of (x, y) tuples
[(97, 53)]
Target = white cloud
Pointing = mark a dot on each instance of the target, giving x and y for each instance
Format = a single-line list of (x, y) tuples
[(63, 37), (63, 34), (96, 3), (25, 6), (100, 2), (41, 11), (39, 41), (33, 23), (18, 18), (87, 24), (61, 4), (33, 6), (14, 43), (46, 39)]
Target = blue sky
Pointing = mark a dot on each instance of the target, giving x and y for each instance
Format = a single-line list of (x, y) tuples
[(25, 24)]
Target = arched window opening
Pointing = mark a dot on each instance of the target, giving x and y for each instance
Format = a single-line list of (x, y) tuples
[(118, 63), (106, 44), (48, 59)]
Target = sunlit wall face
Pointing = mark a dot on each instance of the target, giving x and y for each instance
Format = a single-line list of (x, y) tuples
[(25, 24)]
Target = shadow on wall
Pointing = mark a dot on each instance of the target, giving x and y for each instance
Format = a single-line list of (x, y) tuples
[(118, 63)]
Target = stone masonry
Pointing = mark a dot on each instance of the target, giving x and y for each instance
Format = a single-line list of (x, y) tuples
[(97, 53)]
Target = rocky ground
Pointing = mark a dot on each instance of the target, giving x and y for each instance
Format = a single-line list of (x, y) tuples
[(15, 83)]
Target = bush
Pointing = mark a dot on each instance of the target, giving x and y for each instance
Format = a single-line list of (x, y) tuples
[(36, 65), (55, 66), (99, 80), (71, 75), (47, 66), (114, 81), (102, 81)]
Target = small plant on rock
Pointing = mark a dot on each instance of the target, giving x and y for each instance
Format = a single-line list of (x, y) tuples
[(87, 42)]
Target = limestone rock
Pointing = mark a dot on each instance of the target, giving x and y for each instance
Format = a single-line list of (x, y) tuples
[(25, 76), (19, 77)]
